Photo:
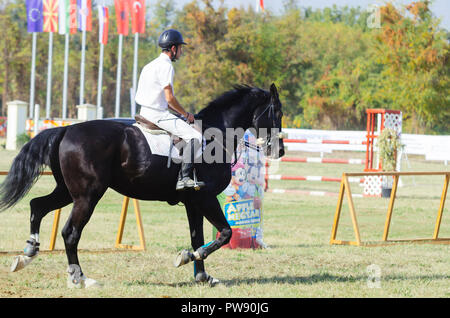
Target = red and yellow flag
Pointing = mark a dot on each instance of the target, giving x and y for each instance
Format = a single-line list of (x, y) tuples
[(50, 15)]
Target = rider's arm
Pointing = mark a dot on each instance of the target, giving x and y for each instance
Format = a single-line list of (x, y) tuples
[(175, 105)]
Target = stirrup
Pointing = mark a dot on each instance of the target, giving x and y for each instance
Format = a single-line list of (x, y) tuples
[(197, 184)]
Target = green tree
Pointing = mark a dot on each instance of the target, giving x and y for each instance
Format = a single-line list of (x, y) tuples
[(415, 55), (14, 53), (328, 64)]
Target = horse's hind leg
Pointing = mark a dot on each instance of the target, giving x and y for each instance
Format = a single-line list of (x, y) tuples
[(83, 207), (40, 207)]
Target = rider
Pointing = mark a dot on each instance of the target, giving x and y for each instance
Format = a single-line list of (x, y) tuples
[(155, 95)]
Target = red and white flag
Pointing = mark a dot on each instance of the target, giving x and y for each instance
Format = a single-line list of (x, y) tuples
[(137, 16), (122, 14), (260, 5), (50, 15), (103, 17)]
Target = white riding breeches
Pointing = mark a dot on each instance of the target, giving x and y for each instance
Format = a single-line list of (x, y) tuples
[(168, 121)]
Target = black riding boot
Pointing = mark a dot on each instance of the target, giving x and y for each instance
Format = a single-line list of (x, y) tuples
[(187, 172)]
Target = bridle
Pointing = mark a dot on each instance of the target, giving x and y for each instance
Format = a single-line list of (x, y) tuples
[(264, 143), (271, 109)]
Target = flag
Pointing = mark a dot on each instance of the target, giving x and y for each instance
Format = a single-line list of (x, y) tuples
[(35, 19), (84, 15), (103, 20), (138, 16), (259, 5), (63, 16), (122, 13), (73, 16), (50, 15)]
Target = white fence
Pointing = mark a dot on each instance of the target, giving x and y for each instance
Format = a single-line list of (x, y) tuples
[(430, 146)]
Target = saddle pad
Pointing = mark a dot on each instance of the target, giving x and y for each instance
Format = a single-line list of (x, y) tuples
[(159, 143)]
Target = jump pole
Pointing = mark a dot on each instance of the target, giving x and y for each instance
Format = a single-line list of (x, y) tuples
[(139, 224), (123, 216)]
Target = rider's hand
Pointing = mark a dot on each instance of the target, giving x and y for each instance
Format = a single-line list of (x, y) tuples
[(190, 117)]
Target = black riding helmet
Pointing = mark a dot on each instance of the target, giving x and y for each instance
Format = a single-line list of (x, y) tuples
[(170, 37)]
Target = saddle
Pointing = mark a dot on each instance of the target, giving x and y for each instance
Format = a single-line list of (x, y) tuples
[(154, 129)]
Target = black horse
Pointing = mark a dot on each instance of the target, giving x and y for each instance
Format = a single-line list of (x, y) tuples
[(89, 157)]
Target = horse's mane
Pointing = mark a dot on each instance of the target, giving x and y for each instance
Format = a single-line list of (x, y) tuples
[(231, 97)]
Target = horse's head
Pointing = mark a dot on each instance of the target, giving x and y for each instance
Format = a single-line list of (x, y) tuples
[(267, 122)]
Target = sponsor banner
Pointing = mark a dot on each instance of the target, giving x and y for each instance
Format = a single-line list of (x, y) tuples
[(242, 199)]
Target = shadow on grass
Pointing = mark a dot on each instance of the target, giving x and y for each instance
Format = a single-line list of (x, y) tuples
[(418, 197), (307, 280)]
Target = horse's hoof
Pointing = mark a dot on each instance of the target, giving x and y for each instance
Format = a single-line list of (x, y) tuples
[(203, 277), (82, 282), (213, 281), (182, 258), (20, 262), (74, 284), (74, 278), (90, 283)]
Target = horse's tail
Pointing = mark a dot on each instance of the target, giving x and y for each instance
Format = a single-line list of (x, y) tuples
[(28, 166)]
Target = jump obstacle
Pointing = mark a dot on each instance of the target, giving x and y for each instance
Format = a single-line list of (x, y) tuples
[(377, 121), (354, 161), (345, 188)]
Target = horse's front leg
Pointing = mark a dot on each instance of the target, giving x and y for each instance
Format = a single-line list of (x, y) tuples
[(195, 212)]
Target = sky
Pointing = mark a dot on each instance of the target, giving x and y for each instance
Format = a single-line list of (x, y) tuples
[(440, 8)]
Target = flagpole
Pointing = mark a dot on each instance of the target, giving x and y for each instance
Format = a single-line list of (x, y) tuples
[(33, 66), (49, 75), (83, 56), (135, 65), (99, 87), (64, 18), (119, 71), (66, 73)]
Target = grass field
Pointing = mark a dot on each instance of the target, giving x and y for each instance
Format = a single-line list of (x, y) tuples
[(299, 262)]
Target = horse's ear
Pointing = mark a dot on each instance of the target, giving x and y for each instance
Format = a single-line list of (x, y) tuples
[(273, 91)]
